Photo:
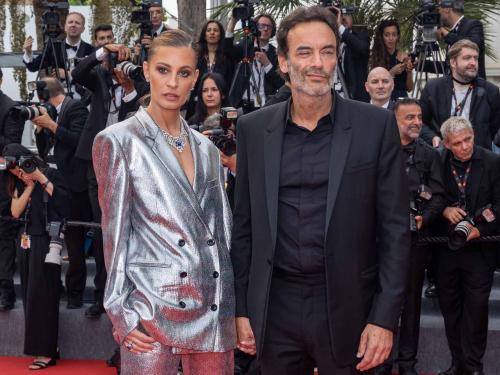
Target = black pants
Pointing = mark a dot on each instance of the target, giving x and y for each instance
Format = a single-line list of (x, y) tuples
[(40, 285), (297, 333), (7, 268), (464, 284), (76, 275)]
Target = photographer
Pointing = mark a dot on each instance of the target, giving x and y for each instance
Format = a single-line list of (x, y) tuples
[(456, 27), (461, 94), (354, 53), (103, 34), (156, 14), (114, 96), (39, 196), (264, 78), (56, 141), (424, 171), (472, 188), (11, 131)]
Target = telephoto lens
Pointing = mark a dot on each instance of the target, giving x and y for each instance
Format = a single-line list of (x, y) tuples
[(458, 236), (131, 70)]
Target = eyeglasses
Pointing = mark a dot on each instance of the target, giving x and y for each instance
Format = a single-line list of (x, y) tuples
[(264, 26)]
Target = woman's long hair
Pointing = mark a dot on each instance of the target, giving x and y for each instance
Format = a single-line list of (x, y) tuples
[(202, 43), (201, 109), (379, 55)]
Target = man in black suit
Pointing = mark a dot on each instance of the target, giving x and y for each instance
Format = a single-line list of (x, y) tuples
[(354, 55), (321, 241), (264, 78), (56, 141), (11, 131), (461, 94), (457, 27), (472, 189), (114, 95), (379, 85)]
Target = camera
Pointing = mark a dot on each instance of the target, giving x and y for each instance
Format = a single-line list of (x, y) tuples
[(27, 163), (244, 10), (427, 20), (55, 244), (221, 129), (131, 70), (142, 17), (458, 235), (423, 194), (29, 112), (50, 18), (344, 9)]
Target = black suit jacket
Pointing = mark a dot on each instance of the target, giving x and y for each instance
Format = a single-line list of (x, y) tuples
[(472, 30), (483, 188), (90, 74), (71, 119), (367, 238), (355, 65), (436, 100), (84, 50)]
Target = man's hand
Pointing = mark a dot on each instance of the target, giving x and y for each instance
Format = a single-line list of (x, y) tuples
[(44, 121), (124, 81), (229, 162), (246, 339), (138, 342), (454, 214), (374, 347), (474, 232), (441, 33), (262, 58), (419, 220), (436, 141), (28, 45), (146, 40), (120, 49)]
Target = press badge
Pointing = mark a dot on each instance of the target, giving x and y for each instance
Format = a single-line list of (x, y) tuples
[(25, 241), (488, 215)]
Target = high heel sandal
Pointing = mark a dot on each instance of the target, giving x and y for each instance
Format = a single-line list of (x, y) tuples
[(41, 365)]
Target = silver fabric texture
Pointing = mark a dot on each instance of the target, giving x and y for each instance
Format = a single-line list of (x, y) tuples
[(166, 243), (162, 361)]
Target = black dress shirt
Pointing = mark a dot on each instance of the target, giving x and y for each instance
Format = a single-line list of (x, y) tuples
[(303, 189)]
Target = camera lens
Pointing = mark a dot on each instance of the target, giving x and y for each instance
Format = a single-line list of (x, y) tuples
[(458, 237)]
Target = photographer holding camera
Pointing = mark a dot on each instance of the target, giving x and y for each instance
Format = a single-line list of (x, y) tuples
[(11, 131), (424, 171), (38, 196), (457, 27), (472, 192)]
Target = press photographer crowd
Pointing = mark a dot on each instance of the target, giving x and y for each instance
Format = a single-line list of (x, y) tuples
[(51, 198)]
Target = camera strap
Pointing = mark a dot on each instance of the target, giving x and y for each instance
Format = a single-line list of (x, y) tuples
[(459, 108), (256, 83), (461, 182)]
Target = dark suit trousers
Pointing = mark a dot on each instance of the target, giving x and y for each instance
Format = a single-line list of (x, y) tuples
[(296, 338), (40, 285), (464, 283), (7, 267), (74, 237)]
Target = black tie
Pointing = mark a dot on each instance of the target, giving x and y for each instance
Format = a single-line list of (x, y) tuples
[(69, 46)]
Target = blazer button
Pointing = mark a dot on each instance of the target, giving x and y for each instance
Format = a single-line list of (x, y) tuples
[(182, 304), (183, 274), (213, 307), (211, 242), (181, 242), (216, 274)]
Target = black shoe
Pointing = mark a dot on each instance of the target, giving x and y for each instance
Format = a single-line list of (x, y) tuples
[(6, 304), (453, 370), (74, 302), (94, 311), (383, 370), (431, 291)]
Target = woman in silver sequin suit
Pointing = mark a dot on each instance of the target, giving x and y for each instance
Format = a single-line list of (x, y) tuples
[(166, 229)]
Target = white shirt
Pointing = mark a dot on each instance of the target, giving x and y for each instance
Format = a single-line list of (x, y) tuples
[(456, 23), (460, 92), (386, 105)]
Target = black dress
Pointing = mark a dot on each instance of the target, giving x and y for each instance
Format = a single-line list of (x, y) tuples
[(400, 90), (40, 281)]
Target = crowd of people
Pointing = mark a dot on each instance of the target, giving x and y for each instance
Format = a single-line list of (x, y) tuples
[(304, 246)]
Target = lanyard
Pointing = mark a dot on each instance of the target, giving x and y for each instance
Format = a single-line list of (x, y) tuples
[(459, 108), (461, 183)]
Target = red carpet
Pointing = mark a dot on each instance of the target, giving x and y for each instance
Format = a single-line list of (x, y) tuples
[(17, 366)]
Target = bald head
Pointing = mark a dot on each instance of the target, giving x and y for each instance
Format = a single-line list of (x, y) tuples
[(379, 86)]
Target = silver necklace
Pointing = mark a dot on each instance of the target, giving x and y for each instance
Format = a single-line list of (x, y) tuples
[(178, 142)]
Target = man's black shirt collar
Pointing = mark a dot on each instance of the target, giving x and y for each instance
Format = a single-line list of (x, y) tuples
[(327, 119)]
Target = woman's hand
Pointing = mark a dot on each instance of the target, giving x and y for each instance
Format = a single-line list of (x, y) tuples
[(397, 69), (138, 342)]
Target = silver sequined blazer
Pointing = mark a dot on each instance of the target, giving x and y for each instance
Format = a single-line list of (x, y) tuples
[(166, 243)]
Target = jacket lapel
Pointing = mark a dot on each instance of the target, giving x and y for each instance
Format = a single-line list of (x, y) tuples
[(272, 162), (477, 95), (447, 100), (341, 142), (476, 174)]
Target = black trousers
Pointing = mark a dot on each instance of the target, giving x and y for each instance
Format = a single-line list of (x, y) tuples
[(297, 333), (40, 285), (464, 283), (76, 274), (7, 267)]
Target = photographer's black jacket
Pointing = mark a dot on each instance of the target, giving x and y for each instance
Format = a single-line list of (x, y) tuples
[(483, 186), (425, 168), (356, 55), (436, 101)]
